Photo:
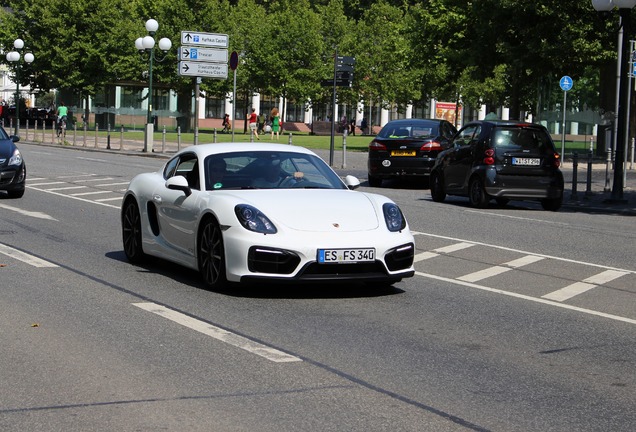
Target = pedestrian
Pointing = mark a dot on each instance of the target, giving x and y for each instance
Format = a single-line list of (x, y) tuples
[(254, 123), (275, 117), (352, 128), (363, 125), (226, 124)]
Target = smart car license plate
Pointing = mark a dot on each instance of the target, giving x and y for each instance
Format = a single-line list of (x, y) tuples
[(338, 256), (402, 152), (526, 161)]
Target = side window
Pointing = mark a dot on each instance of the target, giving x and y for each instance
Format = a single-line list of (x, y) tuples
[(185, 166), (465, 136)]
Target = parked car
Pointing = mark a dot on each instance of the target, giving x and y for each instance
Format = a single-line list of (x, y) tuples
[(253, 212), (407, 148), (500, 160), (12, 166)]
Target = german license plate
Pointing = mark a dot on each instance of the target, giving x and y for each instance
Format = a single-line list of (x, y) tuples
[(526, 161), (337, 256), (402, 152)]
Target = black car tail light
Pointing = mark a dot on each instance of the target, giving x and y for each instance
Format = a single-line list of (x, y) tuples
[(431, 146), (557, 160), (489, 156), (376, 146)]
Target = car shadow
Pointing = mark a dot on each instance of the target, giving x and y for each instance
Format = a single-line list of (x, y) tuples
[(265, 289)]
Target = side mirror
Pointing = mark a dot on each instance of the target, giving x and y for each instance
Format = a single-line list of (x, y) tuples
[(179, 183), (15, 138), (352, 182)]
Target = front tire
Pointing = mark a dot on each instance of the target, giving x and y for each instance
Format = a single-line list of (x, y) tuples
[(211, 255), (477, 194), (131, 233), (438, 194)]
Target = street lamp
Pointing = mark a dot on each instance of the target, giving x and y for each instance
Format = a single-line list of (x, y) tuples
[(14, 56), (624, 10), (146, 45)]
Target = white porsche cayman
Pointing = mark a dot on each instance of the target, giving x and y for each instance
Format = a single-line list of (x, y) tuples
[(245, 212)]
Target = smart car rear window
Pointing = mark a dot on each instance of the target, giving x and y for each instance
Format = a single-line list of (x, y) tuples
[(522, 139)]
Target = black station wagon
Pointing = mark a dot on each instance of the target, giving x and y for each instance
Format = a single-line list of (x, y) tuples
[(500, 160)]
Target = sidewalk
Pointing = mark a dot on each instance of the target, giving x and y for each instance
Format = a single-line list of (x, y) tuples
[(593, 198)]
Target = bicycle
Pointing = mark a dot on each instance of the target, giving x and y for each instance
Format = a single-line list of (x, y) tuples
[(61, 127)]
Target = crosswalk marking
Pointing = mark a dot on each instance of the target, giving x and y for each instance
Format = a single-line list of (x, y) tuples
[(483, 274), (68, 188), (454, 247), (91, 193), (108, 199), (523, 261), (587, 284)]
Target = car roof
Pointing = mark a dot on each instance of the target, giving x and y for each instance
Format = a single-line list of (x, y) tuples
[(415, 120), (204, 150)]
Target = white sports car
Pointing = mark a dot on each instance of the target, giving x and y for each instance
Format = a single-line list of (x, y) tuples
[(245, 212)]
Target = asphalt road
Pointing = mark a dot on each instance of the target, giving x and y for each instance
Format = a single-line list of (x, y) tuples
[(517, 320)]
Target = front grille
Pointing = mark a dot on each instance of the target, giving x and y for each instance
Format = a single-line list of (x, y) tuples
[(268, 260)]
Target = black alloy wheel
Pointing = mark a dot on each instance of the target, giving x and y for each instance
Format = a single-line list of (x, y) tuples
[(211, 255), (131, 233), (438, 194), (476, 194)]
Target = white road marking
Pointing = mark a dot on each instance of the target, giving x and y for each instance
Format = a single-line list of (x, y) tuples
[(415, 233), (94, 179), (233, 339), (38, 215), (112, 184), (50, 183), (108, 199), (587, 284), (90, 193), (483, 274), (519, 217), (424, 256), (24, 257), (525, 297), (523, 261), (73, 197), (454, 247), (68, 188)]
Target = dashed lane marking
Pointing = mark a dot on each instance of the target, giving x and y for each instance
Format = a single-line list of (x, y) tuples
[(587, 284), (220, 334), (24, 257)]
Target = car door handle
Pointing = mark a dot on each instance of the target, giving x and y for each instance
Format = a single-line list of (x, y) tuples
[(157, 199)]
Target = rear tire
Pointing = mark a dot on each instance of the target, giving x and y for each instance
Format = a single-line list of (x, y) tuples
[(131, 233), (477, 194), (211, 255), (552, 204), (375, 181), (438, 194)]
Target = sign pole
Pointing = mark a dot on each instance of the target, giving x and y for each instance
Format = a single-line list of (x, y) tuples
[(566, 84), (234, 58)]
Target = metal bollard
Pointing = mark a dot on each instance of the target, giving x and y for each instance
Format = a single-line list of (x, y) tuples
[(121, 138), (289, 141), (163, 139), (631, 163), (251, 136), (214, 138), (344, 149), (108, 138), (26, 132), (96, 133), (575, 165), (588, 187), (179, 138), (607, 187)]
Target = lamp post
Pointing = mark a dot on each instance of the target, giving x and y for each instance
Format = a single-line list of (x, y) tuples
[(624, 9), (14, 56), (146, 45)]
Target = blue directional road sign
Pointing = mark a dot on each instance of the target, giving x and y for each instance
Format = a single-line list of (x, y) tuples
[(566, 83)]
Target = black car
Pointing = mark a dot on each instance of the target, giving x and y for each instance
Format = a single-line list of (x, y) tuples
[(12, 166), (500, 160), (407, 148)]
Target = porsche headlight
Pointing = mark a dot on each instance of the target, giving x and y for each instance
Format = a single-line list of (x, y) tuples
[(252, 219), (16, 159), (393, 217)]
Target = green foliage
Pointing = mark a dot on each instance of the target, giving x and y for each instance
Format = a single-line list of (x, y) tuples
[(487, 51)]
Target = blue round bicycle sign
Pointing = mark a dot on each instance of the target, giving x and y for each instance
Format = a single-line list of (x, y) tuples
[(566, 83)]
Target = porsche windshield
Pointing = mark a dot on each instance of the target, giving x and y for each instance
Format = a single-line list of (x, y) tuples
[(268, 170)]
